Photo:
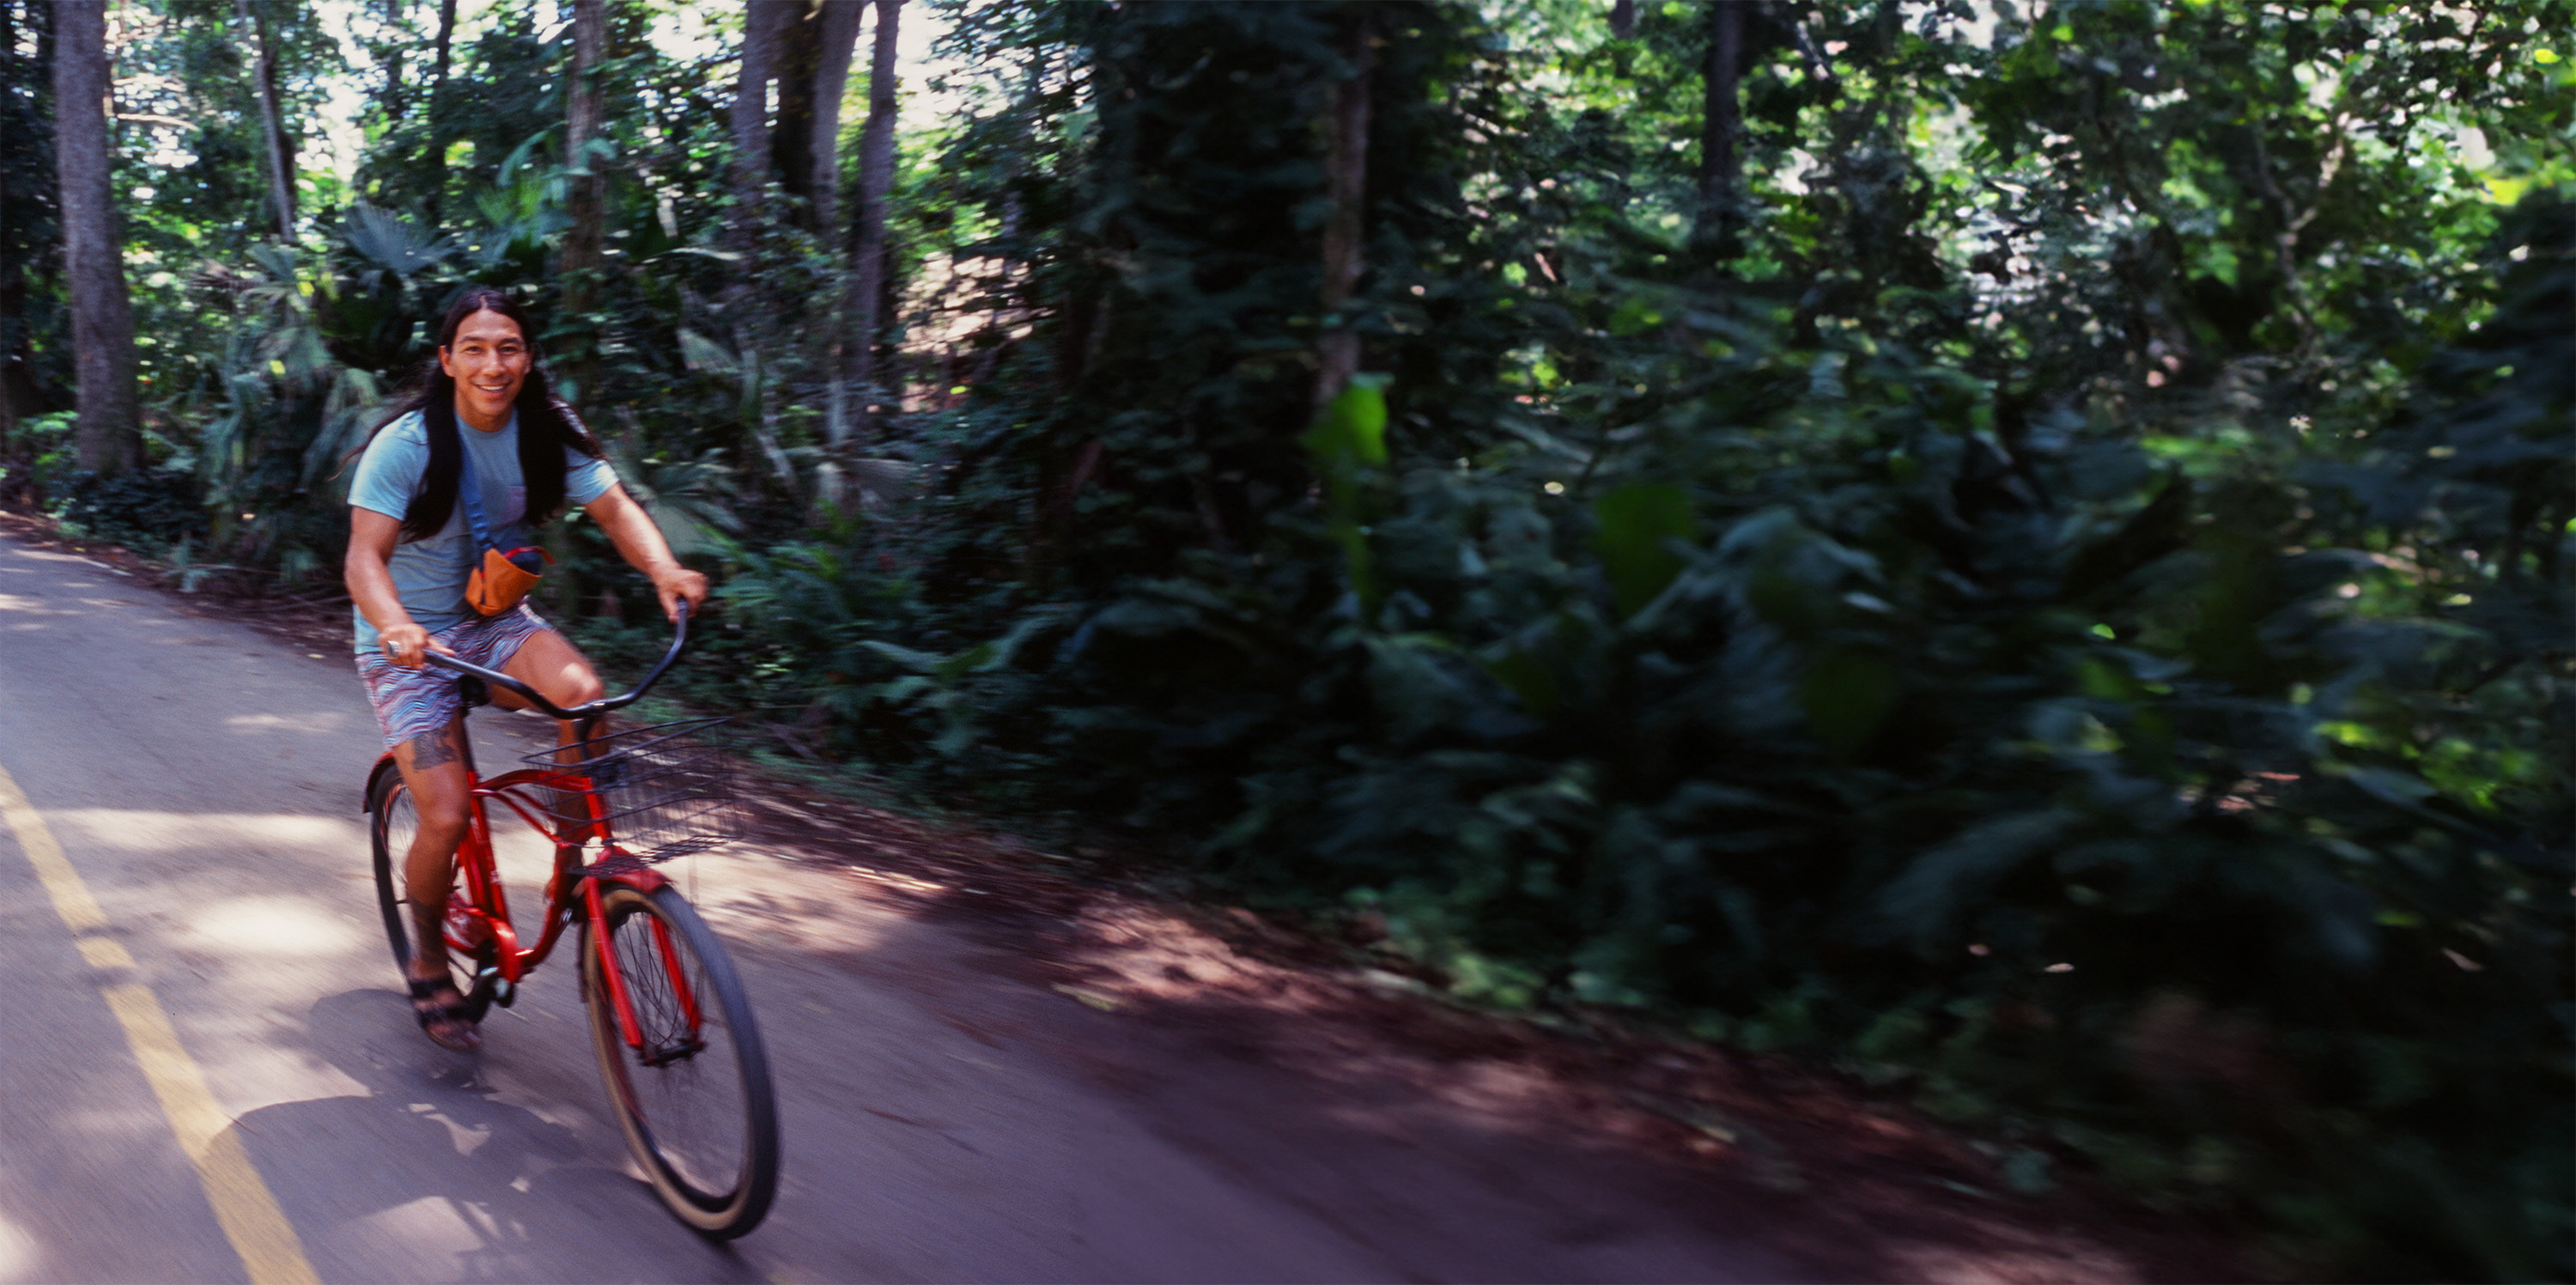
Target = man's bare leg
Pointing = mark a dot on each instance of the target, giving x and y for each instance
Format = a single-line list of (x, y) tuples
[(550, 663), (437, 768)]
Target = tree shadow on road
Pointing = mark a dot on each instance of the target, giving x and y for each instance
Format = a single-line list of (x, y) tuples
[(431, 1175)]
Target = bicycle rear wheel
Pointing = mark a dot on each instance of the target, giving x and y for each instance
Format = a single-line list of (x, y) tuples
[(695, 1100), (392, 820)]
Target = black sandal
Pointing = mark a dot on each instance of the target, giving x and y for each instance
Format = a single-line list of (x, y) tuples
[(427, 988)]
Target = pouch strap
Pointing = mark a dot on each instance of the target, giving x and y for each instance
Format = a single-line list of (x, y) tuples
[(468, 494)]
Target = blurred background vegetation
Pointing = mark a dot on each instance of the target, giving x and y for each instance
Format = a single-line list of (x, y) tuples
[(2020, 550)]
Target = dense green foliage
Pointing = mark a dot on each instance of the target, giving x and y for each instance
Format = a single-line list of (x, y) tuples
[(2057, 598)]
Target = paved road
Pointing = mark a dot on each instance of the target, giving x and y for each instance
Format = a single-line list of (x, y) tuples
[(943, 1121)]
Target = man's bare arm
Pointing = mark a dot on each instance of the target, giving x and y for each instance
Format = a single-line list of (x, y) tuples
[(370, 579), (640, 542)]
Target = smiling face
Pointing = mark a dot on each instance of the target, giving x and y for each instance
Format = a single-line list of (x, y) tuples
[(489, 361)]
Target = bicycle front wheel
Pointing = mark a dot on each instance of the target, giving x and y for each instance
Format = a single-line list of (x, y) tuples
[(695, 1099)]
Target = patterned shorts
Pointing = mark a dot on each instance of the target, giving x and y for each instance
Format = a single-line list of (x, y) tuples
[(411, 702)]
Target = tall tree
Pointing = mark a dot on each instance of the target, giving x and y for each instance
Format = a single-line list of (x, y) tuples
[(102, 311), (762, 23), (868, 265), (578, 269), (813, 71), (1721, 125), (803, 49), (806, 150), (26, 201), (396, 94), (281, 153), (437, 101), (581, 252), (837, 28), (1346, 186), (791, 132)]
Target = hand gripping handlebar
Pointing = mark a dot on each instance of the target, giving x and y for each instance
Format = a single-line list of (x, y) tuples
[(679, 639)]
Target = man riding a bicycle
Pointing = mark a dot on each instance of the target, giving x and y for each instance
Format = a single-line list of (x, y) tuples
[(444, 495)]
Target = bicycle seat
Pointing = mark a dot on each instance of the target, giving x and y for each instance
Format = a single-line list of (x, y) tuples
[(476, 692)]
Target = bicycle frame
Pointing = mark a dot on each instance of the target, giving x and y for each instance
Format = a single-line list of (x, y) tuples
[(484, 911)]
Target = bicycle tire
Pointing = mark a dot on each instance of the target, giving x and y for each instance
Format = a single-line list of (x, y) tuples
[(702, 1125), (391, 820)]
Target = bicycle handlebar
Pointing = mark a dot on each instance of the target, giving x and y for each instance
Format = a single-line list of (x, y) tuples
[(679, 639)]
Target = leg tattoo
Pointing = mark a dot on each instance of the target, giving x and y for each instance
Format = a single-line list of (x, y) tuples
[(434, 749)]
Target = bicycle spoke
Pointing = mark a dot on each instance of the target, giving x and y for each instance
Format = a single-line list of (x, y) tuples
[(684, 1084)]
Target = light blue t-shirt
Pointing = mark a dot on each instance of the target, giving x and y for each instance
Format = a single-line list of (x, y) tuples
[(430, 574)]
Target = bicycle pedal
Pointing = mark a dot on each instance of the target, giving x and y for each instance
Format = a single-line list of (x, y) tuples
[(504, 992)]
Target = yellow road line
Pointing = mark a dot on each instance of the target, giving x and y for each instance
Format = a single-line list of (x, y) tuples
[(102, 953), (243, 1205), (72, 901), (251, 1218)]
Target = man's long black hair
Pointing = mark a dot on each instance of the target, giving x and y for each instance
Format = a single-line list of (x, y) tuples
[(547, 426)]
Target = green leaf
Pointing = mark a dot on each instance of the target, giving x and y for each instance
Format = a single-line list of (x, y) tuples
[(967, 661), (1635, 521), (1354, 426), (1923, 902), (917, 661), (705, 355), (1529, 679), (1848, 694)]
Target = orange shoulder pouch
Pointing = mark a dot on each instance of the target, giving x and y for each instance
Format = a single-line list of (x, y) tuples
[(501, 578), (504, 579)]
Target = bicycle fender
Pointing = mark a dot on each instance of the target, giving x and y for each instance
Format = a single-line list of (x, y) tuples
[(621, 868), (644, 879)]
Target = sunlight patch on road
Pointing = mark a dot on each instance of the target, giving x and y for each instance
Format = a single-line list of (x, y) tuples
[(232, 834), (18, 1255), (281, 723), (433, 1234), (274, 926)]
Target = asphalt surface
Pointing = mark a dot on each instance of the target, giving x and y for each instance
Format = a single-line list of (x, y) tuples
[(942, 1120)]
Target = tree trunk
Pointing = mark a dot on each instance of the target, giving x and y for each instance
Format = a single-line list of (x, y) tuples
[(1337, 353), (581, 252), (102, 312), (868, 276), (437, 118), (397, 99), (28, 131), (17, 349), (1623, 19), (1713, 232), (281, 156), (13, 324), (838, 30), (761, 20), (791, 135), (13, 274), (580, 263)]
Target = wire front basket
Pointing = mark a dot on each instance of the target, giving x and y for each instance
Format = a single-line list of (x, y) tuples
[(661, 790)]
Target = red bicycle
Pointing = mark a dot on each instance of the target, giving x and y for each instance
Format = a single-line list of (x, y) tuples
[(678, 1048)]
